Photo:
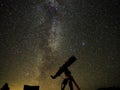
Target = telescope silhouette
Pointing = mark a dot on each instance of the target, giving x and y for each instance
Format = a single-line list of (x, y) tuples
[(64, 67)]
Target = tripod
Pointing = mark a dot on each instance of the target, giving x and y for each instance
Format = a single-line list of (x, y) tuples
[(68, 80)]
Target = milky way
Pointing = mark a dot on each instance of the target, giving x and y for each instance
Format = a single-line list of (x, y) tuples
[(37, 37)]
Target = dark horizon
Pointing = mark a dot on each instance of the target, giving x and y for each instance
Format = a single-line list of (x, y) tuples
[(31, 87)]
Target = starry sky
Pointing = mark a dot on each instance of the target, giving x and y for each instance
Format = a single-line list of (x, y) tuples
[(36, 40)]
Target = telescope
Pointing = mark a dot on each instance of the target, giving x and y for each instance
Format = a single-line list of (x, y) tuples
[(64, 67)]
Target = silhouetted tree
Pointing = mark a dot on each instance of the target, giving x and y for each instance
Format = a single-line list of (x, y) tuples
[(5, 87)]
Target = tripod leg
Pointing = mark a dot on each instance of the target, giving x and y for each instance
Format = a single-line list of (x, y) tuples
[(63, 84), (70, 85), (78, 88)]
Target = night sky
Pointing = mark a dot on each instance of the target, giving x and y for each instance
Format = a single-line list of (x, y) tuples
[(36, 40)]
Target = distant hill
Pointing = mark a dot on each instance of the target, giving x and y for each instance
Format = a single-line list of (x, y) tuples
[(109, 88)]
